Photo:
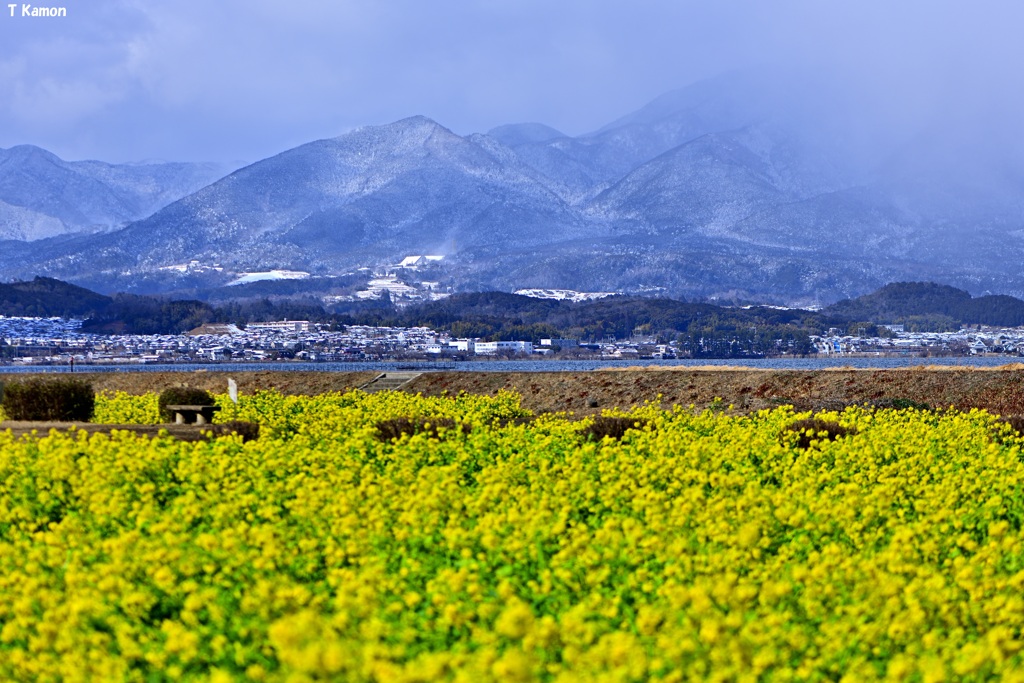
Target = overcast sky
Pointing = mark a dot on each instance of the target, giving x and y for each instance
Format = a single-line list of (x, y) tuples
[(225, 80)]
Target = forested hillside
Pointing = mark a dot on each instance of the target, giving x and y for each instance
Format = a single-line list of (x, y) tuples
[(926, 305), (503, 316)]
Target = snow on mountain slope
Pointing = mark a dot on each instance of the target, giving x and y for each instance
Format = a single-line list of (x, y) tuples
[(730, 187), (44, 196), (411, 186)]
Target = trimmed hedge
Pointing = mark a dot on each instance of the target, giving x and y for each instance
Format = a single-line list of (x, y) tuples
[(249, 431), (50, 400), (182, 396), (394, 429), (612, 427), (815, 429)]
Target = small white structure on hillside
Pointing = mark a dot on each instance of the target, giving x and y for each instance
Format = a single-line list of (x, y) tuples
[(419, 261)]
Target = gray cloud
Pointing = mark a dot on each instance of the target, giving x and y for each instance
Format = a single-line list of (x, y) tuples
[(243, 79)]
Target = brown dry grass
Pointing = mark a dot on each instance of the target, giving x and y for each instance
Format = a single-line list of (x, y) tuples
[(1009, 367), (747, 390), (1000, 390), (180, 432), (216, 381), (674, 368)]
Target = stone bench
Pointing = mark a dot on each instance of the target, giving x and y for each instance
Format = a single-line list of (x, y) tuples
[(186, 415)]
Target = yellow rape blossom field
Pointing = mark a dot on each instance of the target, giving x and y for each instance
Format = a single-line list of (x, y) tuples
[(701, 546)]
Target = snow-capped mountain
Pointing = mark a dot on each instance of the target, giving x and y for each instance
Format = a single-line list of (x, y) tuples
[(42, 195), (725, 188), (381, 191)]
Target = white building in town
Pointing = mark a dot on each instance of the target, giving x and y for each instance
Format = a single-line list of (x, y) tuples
[(280, 326), (561, 343), (492, 348)]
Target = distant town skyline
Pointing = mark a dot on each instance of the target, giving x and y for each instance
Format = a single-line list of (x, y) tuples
[(240, 80)]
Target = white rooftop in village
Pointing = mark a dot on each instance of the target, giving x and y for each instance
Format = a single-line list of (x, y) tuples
[(245, 278), (563, 294), (419, 260)]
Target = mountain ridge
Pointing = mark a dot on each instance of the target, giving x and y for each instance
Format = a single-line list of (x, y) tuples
[(921, 306), (41, 195), (722, 189)]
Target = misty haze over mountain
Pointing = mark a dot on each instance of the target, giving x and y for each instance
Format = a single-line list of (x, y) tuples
[(772, 185), (42, 195)]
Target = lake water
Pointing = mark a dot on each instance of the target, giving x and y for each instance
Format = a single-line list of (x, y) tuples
[(536, 365)]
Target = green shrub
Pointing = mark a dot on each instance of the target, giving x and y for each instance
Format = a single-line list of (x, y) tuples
[(249, 431), (899, 404), (55, 400), (182, 396), (391, 430), (1016, 423), (1008, 426), (613, 427), (812, 429)]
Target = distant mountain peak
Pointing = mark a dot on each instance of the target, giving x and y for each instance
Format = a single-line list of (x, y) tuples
[(41, 195), (26, 149), (750, 185), (515, 134), (23, 153), (417, 124), (724, 102)]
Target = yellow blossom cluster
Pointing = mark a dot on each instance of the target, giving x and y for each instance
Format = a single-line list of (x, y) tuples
[(119, 407), (700, 546)]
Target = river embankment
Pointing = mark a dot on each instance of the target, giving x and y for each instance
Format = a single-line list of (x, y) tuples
[(999, 390)]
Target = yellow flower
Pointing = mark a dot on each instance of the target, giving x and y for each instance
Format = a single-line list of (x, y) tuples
[(514, 665), (515, 620)]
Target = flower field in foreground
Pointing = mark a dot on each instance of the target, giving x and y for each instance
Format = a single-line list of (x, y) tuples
[(702, 546)]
